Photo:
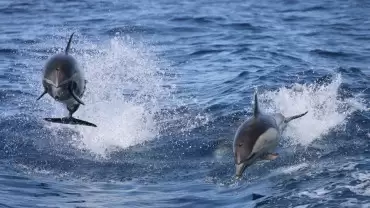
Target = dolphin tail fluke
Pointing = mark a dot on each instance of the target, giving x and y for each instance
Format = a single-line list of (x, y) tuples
[(70, 120), (42, 95), (287, 120), (69, 43), (256, 109)]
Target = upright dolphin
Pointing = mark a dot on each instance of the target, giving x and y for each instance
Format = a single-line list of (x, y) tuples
[(65, 82), (258, 137)]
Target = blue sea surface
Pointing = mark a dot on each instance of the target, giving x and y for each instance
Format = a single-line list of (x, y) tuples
[(169, 83)]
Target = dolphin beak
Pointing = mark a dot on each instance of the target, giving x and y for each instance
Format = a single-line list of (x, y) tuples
[(239, 169)]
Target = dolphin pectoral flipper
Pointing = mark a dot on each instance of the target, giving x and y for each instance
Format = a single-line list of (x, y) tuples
[(287, 120), (70, 120), (270, 156), (42, 95), (75, 96)]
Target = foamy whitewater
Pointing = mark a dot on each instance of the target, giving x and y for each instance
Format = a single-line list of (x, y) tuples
[(326, 109)]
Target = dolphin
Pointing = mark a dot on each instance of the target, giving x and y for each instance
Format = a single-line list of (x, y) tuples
[(64, 81), (257, 138)]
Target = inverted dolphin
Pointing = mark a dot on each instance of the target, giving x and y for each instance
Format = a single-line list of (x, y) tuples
[(64, 81), (258, 137)]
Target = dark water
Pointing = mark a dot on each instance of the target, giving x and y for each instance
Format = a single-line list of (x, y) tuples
[(169, 82)]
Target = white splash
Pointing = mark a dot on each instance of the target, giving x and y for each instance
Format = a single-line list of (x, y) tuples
[(326, 110), (122, 96), (293, 168)]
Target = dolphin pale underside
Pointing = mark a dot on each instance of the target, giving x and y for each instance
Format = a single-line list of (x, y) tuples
[(70, 120)]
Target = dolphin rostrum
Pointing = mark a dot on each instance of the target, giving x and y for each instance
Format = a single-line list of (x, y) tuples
[(65, 82)]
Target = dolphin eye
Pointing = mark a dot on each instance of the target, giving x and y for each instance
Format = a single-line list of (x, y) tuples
[(240, 144)]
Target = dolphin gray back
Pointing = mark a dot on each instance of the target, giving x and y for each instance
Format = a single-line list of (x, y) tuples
[(62, 71), (63, 63), (61, 66)]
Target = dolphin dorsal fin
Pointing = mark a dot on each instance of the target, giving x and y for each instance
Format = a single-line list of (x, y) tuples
[(256, 109), (69, 44)]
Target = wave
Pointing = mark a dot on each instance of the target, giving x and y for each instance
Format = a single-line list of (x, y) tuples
[(330, 53), (204, 19)]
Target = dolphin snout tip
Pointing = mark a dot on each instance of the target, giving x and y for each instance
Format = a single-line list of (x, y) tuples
[(239, 169)]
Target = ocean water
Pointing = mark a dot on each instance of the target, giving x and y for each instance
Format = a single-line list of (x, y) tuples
[(169, 82)]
